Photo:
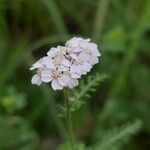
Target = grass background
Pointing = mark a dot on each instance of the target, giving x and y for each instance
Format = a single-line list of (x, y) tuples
[(28, 28)]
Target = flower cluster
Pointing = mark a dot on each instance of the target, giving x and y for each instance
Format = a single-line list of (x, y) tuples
[(64, 65)]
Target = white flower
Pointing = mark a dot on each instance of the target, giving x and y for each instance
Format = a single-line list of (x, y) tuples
[(43, 65), (71, 81), (59, 79), (74, 45), (45, 62), (58, 51), (75, 42), (58, 57), (64, 65), (80, 66), (85, 48), (90, 52), (36, 65)]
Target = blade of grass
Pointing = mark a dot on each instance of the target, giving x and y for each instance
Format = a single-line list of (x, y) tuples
[(100, 16), (12, 61), (132, 50), (4, 34), (48, 40), (121, 81), (56, 15)]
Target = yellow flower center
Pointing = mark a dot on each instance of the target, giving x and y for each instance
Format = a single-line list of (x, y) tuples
[(88, 50), (78, 62), (56, 74), (39, 71), (57, 60), (70, 50)]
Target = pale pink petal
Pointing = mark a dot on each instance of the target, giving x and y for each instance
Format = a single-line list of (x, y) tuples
[(86, 67), (61, 81), (83, 44), (83, 72), (36, 79), (66, 79), (46, 76), (92, 46), (48, 62), (93, 60), (74, 56), (95, 52), (74, 42), (75, 68), (38, 64), (72, 83), (66, 62), (84, 56), (78, 49), (63, 68), (56, 85), (52, 52), (75, 75)]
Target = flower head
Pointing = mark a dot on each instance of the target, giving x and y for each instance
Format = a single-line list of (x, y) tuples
[(64, 65)]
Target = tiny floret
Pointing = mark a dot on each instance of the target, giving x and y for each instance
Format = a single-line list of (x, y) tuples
[(64, 65)]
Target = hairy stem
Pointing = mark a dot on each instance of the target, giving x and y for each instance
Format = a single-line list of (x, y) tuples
[(69, 120)]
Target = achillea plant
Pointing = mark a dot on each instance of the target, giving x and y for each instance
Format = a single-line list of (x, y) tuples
[(62, 67)]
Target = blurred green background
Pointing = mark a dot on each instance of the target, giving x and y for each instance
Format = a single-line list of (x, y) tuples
[(28, 28)]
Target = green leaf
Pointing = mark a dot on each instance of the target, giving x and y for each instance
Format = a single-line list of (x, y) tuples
[(118, 136), (85, 89), (12, 61), (56, 15)]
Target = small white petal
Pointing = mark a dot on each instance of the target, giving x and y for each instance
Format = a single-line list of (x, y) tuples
[(56, 85), (36, 79), (32, 68), (95, 52), (74, 42), (38, 64), (83, 72), (48, 62), (74, 56), (78, 49), (75, 68), (72, 83), (84, 56), (63, 68), (61, 81), (75, 75), (93, 60), (66, 79), (86, 67), (52, 52), (66, 62), (46, 76), (46, 79)]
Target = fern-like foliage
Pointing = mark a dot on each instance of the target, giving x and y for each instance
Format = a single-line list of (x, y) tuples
[(119, 136), (77, 96), (86, 87)]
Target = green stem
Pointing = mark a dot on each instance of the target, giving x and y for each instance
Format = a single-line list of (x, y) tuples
[(69, 120)]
